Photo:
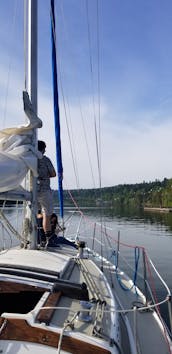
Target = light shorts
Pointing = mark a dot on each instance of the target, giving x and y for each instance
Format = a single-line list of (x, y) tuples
[(45, 202)]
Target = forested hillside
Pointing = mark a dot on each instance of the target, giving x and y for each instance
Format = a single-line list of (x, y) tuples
[(146, 194)]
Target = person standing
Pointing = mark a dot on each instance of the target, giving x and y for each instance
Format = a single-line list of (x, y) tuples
[(46, 171)]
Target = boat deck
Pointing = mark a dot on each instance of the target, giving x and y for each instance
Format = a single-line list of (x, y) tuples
[(55, 282), (51, 283)]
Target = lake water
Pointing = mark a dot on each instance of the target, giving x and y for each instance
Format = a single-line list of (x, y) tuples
[(153, 231)]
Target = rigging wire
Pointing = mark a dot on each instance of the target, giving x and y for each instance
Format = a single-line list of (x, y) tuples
[(82, 120), (10, 62), (87, 146), (81, 113), (92, 83), (114, 309), (68, 120), (97, 126), (98, 87), (71, 140), (156, 300), (69, 130), (25, 45)]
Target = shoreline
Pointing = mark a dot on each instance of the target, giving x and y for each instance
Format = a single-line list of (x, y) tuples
[(160, 210)]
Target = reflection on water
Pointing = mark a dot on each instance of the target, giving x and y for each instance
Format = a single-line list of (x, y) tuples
[(138, 215)]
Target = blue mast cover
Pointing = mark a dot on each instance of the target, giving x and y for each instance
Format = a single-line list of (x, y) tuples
[(56, 112)]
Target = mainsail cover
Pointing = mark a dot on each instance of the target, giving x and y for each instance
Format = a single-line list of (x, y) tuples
[(17, 154), (56, 112)]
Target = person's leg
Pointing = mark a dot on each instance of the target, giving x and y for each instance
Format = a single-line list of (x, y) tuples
[(41, 233), (47, 209), (54, 222), (46, 222)]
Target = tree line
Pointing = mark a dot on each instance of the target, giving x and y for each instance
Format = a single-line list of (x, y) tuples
[(146, 194), (140, 195)]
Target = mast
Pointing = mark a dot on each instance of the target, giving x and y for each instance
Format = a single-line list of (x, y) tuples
[(32, 51), (56, 111), (32, 7)]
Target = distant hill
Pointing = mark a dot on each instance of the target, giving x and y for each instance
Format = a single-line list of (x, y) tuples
[(146, 194), (157, 194)]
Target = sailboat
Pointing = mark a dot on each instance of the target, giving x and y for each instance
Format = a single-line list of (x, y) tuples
[(65, 299)]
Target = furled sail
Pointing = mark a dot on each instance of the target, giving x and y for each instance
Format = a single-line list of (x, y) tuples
[(56, 112), (17, 154)]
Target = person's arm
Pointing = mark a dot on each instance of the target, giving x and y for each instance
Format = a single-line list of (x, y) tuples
[(53, 173), (51, 169)]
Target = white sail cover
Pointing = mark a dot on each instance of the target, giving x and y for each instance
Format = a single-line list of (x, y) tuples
[(17, 154)]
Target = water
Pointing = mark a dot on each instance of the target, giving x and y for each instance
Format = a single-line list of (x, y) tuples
[(153, 231)]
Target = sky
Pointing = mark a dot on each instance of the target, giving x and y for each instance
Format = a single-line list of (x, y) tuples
[(115, 75)]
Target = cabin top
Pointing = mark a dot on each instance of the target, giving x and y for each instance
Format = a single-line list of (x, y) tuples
[(22, 259)]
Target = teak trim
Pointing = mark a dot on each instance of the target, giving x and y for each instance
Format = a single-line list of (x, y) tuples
[(45, 315), (14, 287), (20, 330)]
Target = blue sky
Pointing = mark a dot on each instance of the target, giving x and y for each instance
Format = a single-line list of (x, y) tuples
[(135, 68)]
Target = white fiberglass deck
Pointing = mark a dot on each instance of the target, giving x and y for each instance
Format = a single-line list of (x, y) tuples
[(39, 260)]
